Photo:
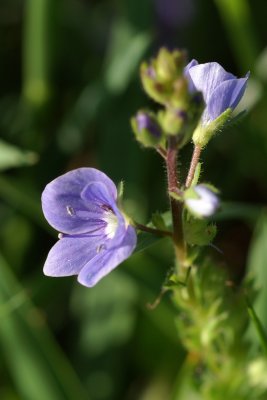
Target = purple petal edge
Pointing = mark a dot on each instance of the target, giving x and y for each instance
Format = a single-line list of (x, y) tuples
[(106, 261), (63, 194), (227, 95), (69, 255), (206, 77)]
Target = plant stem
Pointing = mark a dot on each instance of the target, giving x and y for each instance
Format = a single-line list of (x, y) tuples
[(154, 231), (162, 152), (193, 165), (176, 207)]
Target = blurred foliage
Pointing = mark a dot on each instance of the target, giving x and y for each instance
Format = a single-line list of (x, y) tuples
[(69, 85)]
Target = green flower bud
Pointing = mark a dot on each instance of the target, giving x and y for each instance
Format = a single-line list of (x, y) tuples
[(181, 95), (169, 65), (155, 89), (172, 120), (159, 75), (182, 120)]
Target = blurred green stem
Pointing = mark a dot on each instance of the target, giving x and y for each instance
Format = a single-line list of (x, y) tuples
[(37, 45), (258, 325), (238, 21)]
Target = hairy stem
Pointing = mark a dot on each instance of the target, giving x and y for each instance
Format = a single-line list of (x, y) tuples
[(193, 165), (176, 207), (162, 152), (154, 231)]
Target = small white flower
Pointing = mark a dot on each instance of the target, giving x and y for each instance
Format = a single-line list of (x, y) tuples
[(201, 201)]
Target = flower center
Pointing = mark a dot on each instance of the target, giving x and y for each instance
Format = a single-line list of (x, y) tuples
[(112, 224)]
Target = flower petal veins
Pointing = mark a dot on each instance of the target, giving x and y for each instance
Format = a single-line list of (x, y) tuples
[(95, 237)]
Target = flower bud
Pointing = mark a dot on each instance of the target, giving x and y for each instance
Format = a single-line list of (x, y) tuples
[(147, 129), (159, 75), (201, 201), (173, 120), (153, 87), (169, 64), (182, 119)]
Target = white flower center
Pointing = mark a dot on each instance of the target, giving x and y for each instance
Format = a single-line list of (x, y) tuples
[(112, 224)]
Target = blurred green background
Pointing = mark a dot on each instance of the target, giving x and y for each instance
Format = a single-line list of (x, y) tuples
[(68, 85)]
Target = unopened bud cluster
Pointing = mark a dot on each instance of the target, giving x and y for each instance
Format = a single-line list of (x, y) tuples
[(164, 80)]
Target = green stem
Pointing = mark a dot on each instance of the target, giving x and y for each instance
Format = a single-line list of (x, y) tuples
[(176, 207), (39, 24), (193, 165), (154, 231)]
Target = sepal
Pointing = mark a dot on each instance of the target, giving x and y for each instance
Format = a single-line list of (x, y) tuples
[(204, 133), (199, 231)]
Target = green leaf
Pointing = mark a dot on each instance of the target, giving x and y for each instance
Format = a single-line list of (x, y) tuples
[(145, 240), (199, 231), (107, 313), (262, 334), (35, 362), (13, 193), (257, 268), (11, 156), (229, 210), (158, 221), (126, 50), (239, 24)]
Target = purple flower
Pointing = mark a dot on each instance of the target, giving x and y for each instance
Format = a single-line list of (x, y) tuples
[(220, 89), (95, 235)]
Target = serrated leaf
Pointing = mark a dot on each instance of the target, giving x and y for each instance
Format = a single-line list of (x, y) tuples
[(199, 232)]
